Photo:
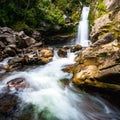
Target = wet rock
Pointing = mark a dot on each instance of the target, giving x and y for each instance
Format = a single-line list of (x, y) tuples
[(2, 55), (11, 38), (25, 41), (29, 41), (5, 29), (76, 48), (7, 102), (20, 43), (68, 68), (20, 39), (20, 34), (36, 35), (45, 55), (38, 56), (7, 38), (65, 82), (66, 47), (6, 68), (14, 63), (2, 46), (10, 52), (12, 46), (18, 84), (14, 60), (39, 44), (26, 50), (62, 52), (32, 56), (47, 52)]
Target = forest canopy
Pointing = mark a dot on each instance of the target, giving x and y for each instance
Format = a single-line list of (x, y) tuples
[(33, 13)]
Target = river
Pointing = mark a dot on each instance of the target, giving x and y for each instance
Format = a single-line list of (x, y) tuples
[(50, 100)]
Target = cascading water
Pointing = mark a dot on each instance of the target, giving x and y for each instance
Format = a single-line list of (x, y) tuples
[(83, 31), (47, 99), (52, 101)]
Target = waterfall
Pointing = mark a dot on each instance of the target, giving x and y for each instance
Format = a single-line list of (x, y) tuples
[(82, 35)]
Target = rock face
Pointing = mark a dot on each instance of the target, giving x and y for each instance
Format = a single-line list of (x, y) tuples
[(111, 4), (12, 43), (98, 66), (109, 22)]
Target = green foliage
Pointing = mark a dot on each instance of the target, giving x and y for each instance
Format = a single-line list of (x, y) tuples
[(32, 13), (55, 16), (101, 8), (7, 13), (31, 17), (20, 26), (51, 13)]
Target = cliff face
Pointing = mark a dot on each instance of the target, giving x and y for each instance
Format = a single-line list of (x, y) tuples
[(108, 22), (98, 66)]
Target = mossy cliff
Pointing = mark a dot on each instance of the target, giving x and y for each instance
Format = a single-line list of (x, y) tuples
[(98, 66)]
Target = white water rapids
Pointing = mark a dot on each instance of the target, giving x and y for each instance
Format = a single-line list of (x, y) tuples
[(52, 101)]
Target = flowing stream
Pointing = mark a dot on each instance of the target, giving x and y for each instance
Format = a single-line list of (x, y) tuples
[(47, 98), (83, 28), (53, 101)]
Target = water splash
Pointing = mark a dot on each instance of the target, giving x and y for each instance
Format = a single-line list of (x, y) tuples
[(53, 102), (83, 28)]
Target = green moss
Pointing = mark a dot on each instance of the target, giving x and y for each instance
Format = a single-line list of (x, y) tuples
[(20, 26), (104, 54)]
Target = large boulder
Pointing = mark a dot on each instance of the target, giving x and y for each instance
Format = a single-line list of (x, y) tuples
[(23, 40), (10, 51), (45, 55), (36, 35), (98, 67), (17, 84), (76, 48), (62, 52), (8, 102)]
